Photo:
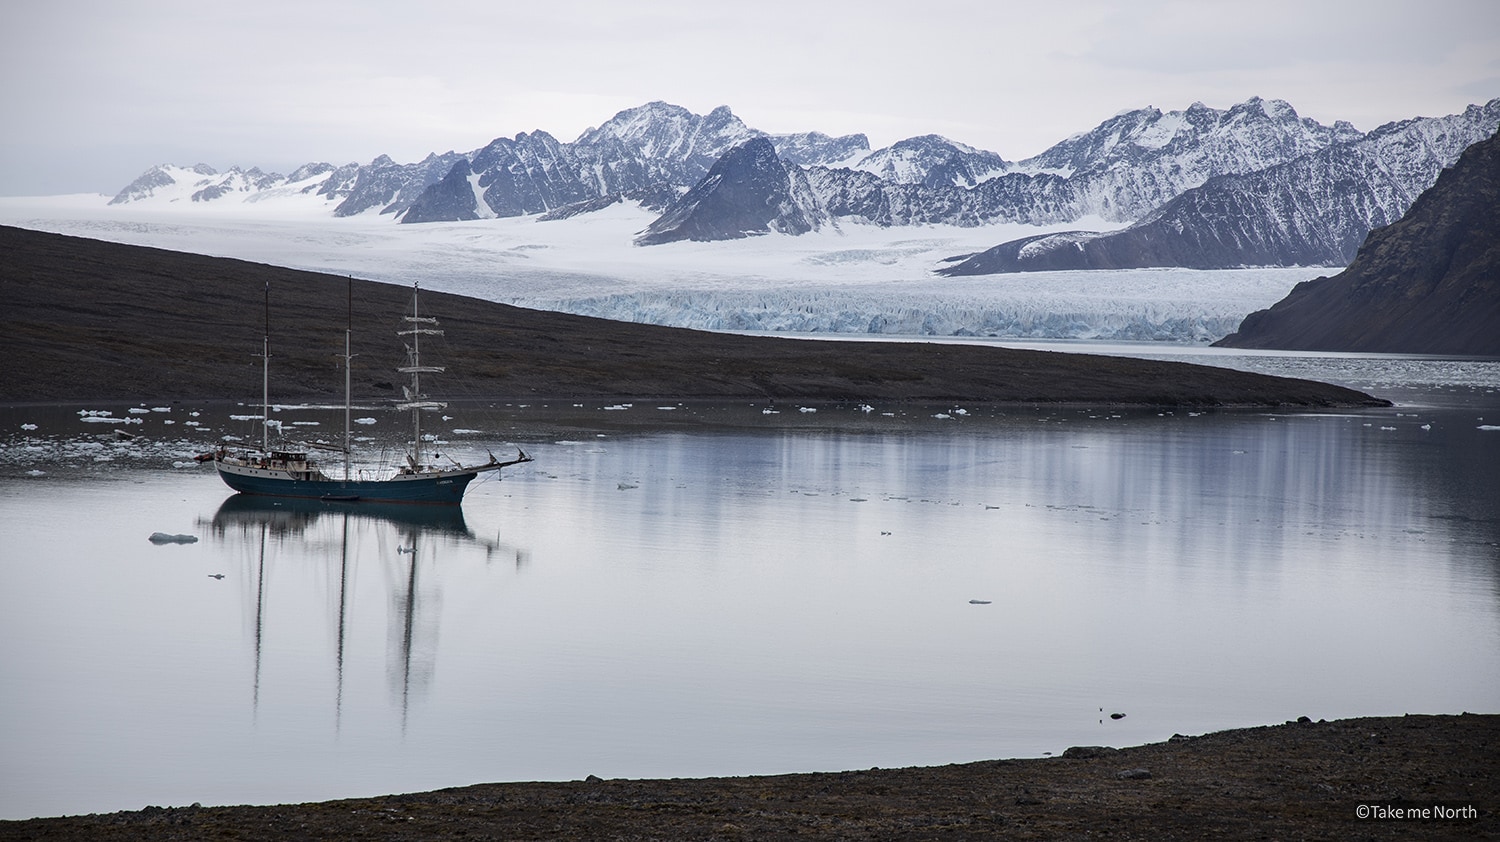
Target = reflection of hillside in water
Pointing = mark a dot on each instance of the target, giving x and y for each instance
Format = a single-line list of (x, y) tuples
[(408, 544)]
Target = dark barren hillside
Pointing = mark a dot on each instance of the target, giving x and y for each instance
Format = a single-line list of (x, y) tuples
[(1427, 284), (88, 320)]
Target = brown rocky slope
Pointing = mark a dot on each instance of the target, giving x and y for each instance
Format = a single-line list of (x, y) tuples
[(89, 320), (1427, 284)]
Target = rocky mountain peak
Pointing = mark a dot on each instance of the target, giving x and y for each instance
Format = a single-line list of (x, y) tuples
[(748, 191)]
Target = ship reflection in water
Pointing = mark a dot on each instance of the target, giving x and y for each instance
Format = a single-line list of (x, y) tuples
[(345, 544)]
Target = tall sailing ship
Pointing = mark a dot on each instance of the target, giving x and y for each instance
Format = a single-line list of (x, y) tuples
[(290, 472)]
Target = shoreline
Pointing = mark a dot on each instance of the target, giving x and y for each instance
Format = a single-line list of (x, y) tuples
[(1301, 779)]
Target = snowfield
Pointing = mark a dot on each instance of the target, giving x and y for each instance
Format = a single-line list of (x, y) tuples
[(843, 279)]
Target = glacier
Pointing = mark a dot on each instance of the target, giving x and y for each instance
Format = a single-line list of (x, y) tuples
[(842, 279)]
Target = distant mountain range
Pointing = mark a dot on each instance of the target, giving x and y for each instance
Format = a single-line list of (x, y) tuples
[(1253, 185), (1427, 284)]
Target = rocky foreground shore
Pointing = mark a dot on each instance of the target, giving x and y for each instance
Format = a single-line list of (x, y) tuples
[(1410, 777)]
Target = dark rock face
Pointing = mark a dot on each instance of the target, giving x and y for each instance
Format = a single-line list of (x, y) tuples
[(749, 191), (451, 199), (1429, 283)]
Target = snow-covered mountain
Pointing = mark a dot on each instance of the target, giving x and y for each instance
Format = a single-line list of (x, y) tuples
[(1125, 168), (1241, 186), (1314, 210), (1196, 143), (351, 189), (932, 160)]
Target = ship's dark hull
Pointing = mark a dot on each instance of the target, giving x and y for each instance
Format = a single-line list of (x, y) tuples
[(443, 488)]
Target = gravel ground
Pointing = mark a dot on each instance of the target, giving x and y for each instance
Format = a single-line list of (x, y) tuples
[(1411, 777)]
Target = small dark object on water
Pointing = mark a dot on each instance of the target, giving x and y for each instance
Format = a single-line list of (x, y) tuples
[(1117, 716), (216, 575), (159, 538), (979, 602)]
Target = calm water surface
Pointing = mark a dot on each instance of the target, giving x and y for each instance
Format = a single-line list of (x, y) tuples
[(717, 591)]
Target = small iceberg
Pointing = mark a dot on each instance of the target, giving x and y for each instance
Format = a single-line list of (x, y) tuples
[(164, 538)]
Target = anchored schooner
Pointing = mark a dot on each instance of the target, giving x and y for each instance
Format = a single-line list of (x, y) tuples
[(293, 473)]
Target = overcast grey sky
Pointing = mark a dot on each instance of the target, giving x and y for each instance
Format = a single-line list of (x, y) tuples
[(94, 92)]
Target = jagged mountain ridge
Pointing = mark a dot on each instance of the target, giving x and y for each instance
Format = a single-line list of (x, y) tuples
[(748, 191), (1132, 166), (1427, 284), (1314, 210), (655, 152)]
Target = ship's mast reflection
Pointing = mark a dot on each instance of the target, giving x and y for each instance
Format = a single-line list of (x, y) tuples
[(423, 535)]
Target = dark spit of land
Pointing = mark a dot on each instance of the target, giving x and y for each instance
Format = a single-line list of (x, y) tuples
[(1303, 780), (89, 320)]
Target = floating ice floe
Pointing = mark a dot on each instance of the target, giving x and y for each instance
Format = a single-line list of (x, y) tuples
[(1488, 427), (307, 423), (138, 410), (36, 473), (619, 406), (28, 426), (942, 415), (161, 409), (364, 420), (807, 409), (462, 431)]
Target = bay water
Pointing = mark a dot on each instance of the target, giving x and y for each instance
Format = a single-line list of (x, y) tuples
[(686, 590)]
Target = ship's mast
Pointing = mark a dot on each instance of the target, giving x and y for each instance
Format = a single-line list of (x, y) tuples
[(265, 378), (348, 364), (415, 400)]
